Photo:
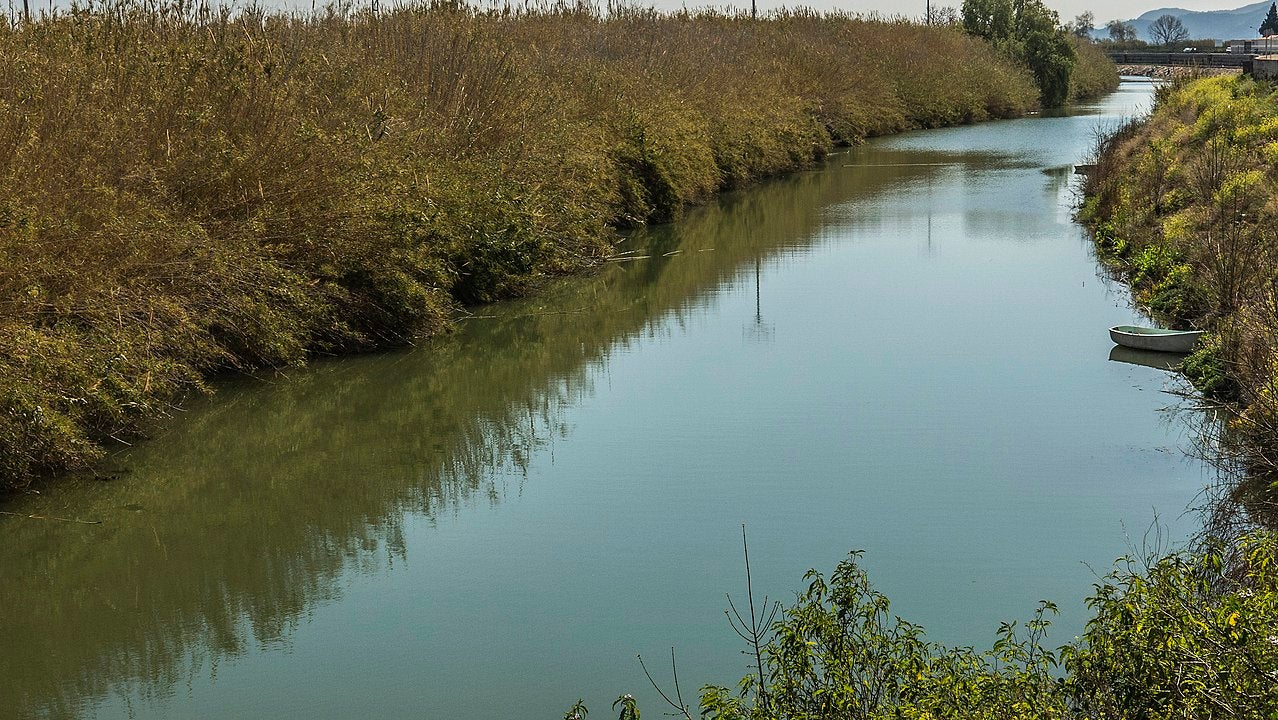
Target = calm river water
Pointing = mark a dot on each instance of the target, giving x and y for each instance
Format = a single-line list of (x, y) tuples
[(903, 352)]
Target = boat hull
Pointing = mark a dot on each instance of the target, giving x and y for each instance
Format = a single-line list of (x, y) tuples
[(1139, 338)]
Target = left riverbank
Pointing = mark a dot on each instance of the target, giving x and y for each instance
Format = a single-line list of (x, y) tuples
[(196, 190)]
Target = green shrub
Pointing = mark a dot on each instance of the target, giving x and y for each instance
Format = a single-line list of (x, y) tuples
[(1193, 634), (1189, 634), (1205, 368)]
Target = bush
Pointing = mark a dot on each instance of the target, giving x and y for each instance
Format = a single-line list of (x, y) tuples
[(1193, 634), (1189, 634)]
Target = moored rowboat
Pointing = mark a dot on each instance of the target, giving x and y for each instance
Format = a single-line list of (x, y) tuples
[(1143, 338)]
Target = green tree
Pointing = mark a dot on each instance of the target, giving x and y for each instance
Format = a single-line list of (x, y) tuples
[(839, 652), (1050, 56), (1030, 32), (1270, 25), (989, 19), (1082, 24), (1188, 635)]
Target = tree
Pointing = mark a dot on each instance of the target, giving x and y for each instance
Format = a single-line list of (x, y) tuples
[(947, 16), (1047, 51), (1030, 32), (1120, 32), (989, 19), (1270, 25), (1082, 25), (1168, 30)]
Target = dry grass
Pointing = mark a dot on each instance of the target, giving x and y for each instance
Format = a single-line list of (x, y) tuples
[(188, 190)]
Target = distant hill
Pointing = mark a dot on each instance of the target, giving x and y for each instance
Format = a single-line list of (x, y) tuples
[(1242, 23)]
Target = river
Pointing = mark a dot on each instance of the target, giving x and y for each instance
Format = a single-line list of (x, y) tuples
[(903, 351)]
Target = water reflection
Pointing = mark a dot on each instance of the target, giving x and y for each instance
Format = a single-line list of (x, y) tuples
[(222, 533), (1147, 358), (503, 516)]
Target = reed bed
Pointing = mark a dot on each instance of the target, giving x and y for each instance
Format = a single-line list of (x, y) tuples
[(189, 190)]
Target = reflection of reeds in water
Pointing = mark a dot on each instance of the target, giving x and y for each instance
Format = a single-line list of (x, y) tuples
[(1236, 502), (1239, 499), (265, 496)]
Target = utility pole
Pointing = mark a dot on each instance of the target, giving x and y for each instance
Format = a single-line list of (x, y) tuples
[(929, 12)]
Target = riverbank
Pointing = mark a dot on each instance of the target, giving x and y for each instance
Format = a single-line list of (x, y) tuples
[(1184, 206), (200, 192)]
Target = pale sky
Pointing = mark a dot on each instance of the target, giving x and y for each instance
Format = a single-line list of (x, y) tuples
[(1104, 10)]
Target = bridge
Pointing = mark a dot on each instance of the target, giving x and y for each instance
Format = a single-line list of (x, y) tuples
[(1236, 61)]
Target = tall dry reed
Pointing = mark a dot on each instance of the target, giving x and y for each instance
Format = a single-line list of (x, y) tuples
[(188, 190)]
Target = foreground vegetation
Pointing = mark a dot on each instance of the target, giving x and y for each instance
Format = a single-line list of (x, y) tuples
[(1188, 635), (1185, 206), (189, 190)]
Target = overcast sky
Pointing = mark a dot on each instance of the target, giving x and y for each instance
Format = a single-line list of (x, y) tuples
[(1104, 10)]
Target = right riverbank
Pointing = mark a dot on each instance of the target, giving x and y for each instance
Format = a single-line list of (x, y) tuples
[(1184, 205)]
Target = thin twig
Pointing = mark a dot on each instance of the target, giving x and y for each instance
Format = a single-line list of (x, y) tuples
[(682, 710), (674, 670), (51, 517), (526, 315)]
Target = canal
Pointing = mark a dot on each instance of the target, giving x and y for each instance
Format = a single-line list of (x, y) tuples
[(903, 351)]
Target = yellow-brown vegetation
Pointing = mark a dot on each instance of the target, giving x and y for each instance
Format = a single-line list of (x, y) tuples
[(189, 190)]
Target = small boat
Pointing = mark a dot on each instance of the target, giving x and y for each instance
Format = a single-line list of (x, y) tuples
[(1143, 338), (1084, 168)]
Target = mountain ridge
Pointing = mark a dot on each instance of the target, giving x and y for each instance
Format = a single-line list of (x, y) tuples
[(1238, 23)]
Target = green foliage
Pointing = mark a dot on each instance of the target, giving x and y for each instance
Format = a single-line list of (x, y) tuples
[(1163, 282), (1093, 74), (1030, 32), (1189, 635), (838, 652), (629, 707), (993, 20), (1270, 24), (1205, 368)]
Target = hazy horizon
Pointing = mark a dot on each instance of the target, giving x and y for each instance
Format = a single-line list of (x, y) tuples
[(1104, 12)]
